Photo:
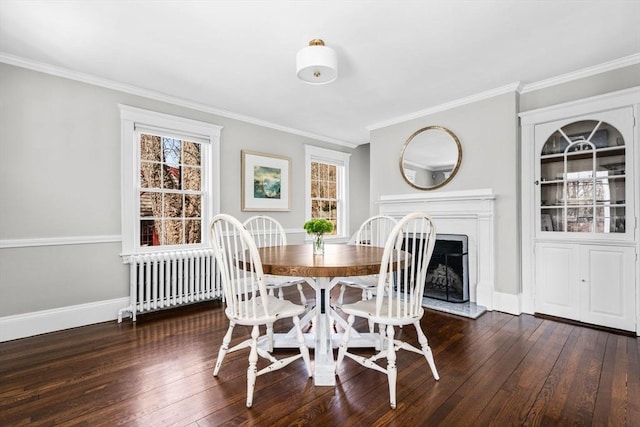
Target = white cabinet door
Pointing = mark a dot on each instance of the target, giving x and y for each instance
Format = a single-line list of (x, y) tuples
[(588, 283), (607, 283), (557, 281)]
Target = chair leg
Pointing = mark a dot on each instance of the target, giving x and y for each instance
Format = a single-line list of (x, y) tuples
[(341, 295), (345, 342), (426, 350), (392, 370), (252, 371), (304, 350), (270, 336), (303, 299), (223, 349)]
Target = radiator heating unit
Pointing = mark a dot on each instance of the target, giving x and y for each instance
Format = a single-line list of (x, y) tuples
[(169, 279)]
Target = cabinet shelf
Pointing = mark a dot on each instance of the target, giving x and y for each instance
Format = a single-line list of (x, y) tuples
[(581, 155), (598, 205), (590, 179), (597, 178)]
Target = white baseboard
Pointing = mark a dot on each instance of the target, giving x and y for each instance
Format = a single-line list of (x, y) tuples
[(57, 319), (484, 295), (41, 322), (507, 303), (498, 301)]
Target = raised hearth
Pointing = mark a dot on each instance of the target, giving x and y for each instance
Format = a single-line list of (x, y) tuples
[(465, 309)]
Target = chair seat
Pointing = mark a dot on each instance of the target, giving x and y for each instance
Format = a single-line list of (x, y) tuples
[(367, 309), (278, 309), (363, 282), (273, 281)]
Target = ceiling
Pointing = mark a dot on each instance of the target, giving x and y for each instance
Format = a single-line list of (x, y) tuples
[(395, 59)]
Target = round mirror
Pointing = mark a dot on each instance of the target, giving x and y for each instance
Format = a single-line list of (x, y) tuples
[(430, 157)]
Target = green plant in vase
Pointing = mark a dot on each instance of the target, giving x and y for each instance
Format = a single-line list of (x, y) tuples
[(318, 227)]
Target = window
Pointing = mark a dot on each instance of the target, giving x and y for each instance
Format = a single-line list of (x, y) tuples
[(170, 190), (170, 181), (327, 183)]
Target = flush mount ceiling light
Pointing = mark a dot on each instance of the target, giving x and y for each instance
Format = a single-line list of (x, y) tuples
[(317, 64)]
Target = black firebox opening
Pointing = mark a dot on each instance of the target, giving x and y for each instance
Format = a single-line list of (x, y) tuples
[(448, 271)]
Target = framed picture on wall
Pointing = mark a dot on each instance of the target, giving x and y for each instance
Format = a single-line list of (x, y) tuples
[(265, 182)]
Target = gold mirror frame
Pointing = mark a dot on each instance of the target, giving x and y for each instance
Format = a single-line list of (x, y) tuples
[(455, 168)]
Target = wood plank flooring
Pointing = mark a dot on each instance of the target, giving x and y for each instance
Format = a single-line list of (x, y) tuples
[(496, 370)]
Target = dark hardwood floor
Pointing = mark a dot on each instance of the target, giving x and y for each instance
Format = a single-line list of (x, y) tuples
[(497, 370)]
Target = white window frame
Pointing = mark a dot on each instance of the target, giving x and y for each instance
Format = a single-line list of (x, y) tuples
[(341, 161), (132, 118)]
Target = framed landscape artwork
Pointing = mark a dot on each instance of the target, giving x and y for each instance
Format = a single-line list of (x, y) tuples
[(265, 182)]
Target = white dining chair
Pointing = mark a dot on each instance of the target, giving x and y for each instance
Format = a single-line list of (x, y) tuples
[(374, 232), (266, 231), (248, 302), (402, 304)]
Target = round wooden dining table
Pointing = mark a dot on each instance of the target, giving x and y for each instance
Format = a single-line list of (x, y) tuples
[(338, 260), (323, 272)]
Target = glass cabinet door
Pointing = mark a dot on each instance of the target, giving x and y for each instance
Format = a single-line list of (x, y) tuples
[(583, 179)]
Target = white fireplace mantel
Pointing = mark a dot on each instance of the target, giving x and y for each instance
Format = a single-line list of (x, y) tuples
[(469, 212)]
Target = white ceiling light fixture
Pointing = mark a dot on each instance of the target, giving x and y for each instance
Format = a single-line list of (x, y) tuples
[(317, 64)]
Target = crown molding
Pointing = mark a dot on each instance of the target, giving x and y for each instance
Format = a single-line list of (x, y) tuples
[(135, 90), (585, 72), (513, 87)]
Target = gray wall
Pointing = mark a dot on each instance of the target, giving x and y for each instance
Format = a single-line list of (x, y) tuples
[(60, 179), (611, 81), (488, 133)]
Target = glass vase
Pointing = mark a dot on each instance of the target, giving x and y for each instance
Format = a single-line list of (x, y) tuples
[(318, 244)]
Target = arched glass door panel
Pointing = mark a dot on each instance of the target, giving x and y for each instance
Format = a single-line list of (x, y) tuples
[(583, 179)]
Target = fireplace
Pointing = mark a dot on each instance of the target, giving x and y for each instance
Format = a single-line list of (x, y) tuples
[(466, 212)]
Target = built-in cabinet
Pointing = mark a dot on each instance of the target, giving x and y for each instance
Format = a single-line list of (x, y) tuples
[(589, 283), (580, 196)]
